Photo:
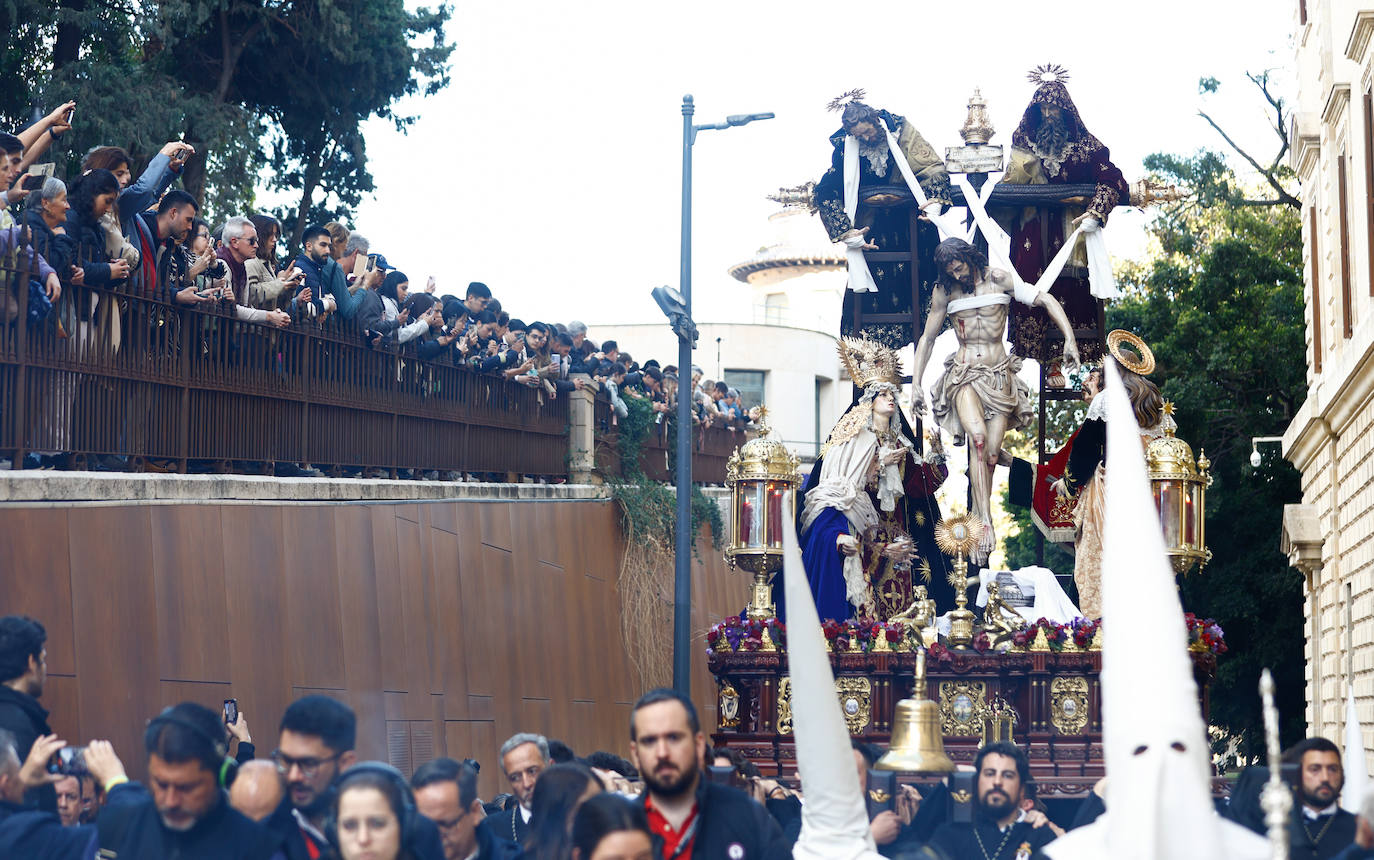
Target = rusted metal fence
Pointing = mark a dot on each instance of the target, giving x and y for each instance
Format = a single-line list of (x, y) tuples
[(111, 373)]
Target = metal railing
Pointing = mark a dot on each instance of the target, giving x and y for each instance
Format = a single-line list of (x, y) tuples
[(113, 373)]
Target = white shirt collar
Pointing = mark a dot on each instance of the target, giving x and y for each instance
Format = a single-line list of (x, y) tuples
[(308, 827), (1309, 813), (525, 814)]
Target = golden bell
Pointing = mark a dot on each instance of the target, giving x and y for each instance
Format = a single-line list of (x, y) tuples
[(917, 745)]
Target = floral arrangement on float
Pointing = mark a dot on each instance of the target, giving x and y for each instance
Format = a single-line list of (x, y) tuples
[(740, 633)]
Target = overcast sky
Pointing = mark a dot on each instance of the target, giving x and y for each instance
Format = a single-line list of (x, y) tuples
[(551, 167)]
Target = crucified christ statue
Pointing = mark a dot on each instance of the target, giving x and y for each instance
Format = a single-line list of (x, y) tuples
[(979, 397)]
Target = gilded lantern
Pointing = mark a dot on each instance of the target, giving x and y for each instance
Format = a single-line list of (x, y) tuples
[(1180, 488), (761, 475)]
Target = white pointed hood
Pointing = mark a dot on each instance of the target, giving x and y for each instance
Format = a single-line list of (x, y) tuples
[(834, 816), (1159, 803)]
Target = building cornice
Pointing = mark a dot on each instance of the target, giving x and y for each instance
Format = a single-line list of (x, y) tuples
[(1336, 102), (1306, 149), (1334, 400), (1360, 35)]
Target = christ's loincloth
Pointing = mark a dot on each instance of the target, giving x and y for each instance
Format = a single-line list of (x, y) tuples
[(989, 382)]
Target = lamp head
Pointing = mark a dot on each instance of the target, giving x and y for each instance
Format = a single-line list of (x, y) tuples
[(1255, 458), (671, 302), (746, 118)]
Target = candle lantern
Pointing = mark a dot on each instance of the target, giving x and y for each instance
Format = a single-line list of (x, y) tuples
[(761, 474), (1180, 488)]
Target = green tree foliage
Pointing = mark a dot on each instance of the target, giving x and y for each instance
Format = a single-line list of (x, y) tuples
[(247, 82), (1221, 305)]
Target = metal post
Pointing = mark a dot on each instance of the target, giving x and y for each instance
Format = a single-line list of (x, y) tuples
[(682, 556)]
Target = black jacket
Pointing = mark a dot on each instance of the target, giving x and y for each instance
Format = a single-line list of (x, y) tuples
[(733, 825), (36, 835), (492, 846), (129, 826), (58, 249), (510, 824), (21, 714), (1319, 839)]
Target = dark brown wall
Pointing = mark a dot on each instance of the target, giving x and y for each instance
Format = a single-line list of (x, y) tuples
[(447, 626)]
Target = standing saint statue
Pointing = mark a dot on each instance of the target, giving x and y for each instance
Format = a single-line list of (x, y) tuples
[(1084, 478), (868, 508), (979, 397), (1052, 146), (863, 156)]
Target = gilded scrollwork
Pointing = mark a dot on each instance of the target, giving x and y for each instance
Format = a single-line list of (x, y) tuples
[(963, 708), (856, 701), (1069, 704)]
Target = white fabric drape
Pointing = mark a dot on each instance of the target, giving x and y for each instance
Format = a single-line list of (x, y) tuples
[(860, 279), (1101, 283)]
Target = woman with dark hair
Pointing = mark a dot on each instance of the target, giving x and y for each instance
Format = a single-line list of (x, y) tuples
[(607, 827), (394, 292), (113, 159), (368, 816), (92, 195), (264, 287), (560, 790), (117, 161)]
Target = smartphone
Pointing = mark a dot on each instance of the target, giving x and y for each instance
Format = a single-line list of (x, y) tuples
[(71, 113), (371, 262), (231, 711), (68, 761), (44, 170)]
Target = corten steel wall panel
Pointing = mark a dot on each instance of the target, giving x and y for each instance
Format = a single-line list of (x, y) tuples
[(114, 611), (444, 614), (42, 580), (188, 576), (312, 597), (390, 619), (483, 619)]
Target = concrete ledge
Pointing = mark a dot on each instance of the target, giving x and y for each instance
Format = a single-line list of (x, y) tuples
[(37, 487)]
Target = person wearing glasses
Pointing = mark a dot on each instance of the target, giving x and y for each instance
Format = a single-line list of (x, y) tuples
[(240, 246), (316, 744), (446, 793)]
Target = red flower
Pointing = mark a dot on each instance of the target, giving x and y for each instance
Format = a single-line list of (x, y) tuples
[(981, 642), (937, 651), (894, 634)]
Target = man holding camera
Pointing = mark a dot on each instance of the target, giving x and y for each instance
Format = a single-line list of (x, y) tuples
[(28, 832), (184, 811)]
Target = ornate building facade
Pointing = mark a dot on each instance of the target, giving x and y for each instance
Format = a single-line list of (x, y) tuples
[(1328, 538)]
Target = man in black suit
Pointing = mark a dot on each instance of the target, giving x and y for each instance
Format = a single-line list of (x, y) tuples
[(999, 830), (523, 758), (1319, 828)]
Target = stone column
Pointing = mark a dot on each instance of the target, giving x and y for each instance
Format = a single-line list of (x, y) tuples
[(582, 436)]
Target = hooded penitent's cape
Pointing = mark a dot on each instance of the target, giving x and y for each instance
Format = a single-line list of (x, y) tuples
[(1159, 803)]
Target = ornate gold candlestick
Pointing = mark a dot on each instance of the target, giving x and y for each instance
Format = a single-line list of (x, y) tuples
[(957, 536), (762, 475)]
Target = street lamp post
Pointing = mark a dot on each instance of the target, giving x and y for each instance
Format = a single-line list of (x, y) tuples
[(686, 331)]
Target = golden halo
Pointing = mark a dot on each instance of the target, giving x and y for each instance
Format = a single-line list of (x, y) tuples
[(958, 536), (1144, 365)]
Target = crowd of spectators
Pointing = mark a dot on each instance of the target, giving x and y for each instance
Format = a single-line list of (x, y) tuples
[(106, 229)]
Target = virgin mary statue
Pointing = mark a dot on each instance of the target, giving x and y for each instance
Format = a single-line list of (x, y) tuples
[(868, 507)]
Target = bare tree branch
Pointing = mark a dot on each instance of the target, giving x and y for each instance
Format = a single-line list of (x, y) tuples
[(1283, 195)]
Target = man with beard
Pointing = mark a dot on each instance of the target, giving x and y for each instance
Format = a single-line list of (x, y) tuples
[(689, 816), (1000, 830), (1319, 828), (979, 397), (316, 743), (23, 670), (184, 811), (886, 290), (1052, 146)]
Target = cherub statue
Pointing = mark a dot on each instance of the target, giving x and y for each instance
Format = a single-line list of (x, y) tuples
[(1000, 621)]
